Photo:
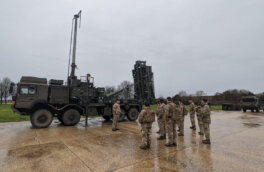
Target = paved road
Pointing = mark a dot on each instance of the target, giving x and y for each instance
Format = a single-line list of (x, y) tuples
[(237, 145)]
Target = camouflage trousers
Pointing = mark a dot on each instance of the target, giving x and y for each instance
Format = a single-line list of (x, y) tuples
[(207, 130), (146, 133), (180, 124), (171, 130), (192, 118), (115, 121), (200, 123), (162, 127)]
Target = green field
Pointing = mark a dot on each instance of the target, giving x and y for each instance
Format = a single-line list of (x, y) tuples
[(7, 115)]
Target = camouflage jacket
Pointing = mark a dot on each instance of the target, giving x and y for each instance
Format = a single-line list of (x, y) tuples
[(116, 109), (178, 112), (161, 111), (146, 116), (192, 108), (206, 113), (170, 110), (198, 111)]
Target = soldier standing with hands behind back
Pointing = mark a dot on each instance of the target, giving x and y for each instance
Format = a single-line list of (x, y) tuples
[(116, 113), (206, 117), (170, 110), (192, 115), (161, 119), (146, 118)]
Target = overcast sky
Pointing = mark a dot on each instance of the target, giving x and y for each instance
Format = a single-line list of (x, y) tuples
[(209, 45)]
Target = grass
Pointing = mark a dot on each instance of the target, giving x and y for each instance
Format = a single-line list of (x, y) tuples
[(7, 115)]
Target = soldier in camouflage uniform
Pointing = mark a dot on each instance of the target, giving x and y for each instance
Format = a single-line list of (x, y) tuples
[(146, 118), (200, 120), (170, 109), (206, 117), (182, 111), (116, 113), (161, 119), (192, 115)]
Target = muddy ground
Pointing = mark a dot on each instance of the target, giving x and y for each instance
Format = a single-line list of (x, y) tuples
[(237, 145)]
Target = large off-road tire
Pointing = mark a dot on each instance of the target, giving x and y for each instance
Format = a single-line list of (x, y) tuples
[(122, 116), (244, 110), (257, 110), (41, 118), (252, 110), (107, 118), (132, 114), (71, 117)]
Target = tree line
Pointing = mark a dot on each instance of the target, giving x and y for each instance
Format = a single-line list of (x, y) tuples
[(4, 89), (228, 96)]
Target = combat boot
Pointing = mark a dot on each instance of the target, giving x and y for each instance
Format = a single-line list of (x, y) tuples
[(158, 132), (144, 147), (174, 144), (180, 134), (191, 127), (201, 133), (161, 138), (206, 141), (114, 129), (194, 128), (168, 145)]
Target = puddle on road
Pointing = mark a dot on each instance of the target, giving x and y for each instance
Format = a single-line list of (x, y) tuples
[(252, 120)]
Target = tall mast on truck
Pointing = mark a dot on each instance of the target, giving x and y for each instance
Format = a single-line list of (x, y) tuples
[(73, 46)]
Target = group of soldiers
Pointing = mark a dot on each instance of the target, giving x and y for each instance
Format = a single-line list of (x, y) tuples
[(170, 115)]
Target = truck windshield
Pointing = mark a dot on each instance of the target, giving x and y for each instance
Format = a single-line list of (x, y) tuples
[(248, 100)]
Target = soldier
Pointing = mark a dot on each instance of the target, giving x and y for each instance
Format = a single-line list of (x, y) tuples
[(161, 119), (192, 115), (170, 123), (183, 111), (116, 113), (200, 121), (146, 118), (206, 112)]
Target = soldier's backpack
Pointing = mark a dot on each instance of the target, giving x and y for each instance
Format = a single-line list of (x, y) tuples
[(149, 116), (185, 111)]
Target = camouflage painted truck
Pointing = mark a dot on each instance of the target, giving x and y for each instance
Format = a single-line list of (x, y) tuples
[(44, 100), (252, 103)]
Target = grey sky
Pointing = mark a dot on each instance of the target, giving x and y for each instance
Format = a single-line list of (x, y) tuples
[(209, 45)]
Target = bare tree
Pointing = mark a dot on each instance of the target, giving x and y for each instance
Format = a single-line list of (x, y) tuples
[(200, 93), (6, 85), (1, 91), (128, 88), (182, 94), (110, 89)]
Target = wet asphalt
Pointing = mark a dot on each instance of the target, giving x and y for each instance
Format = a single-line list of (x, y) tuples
[(237, 144)]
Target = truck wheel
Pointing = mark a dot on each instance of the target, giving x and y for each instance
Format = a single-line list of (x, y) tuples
[(257, 110), (122, 116), (132, 114), (41, 118), (70, 117), (252, 110), (244, 110)]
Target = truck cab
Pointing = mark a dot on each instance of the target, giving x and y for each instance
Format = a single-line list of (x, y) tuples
[(251, 103)]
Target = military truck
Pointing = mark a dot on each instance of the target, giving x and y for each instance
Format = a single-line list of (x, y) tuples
[(251, 103), (44, 100)]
